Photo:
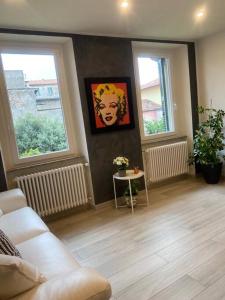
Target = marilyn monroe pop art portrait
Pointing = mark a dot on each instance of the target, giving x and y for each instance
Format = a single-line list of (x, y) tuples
[(110, 104)]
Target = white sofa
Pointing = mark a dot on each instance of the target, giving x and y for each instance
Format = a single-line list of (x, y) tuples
[(66, 279)]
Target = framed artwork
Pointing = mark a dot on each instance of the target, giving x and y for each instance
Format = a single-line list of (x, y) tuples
[(109, 103)]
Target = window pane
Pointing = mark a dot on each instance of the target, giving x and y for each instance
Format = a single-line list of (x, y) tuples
[(35, 103), (154, 95)]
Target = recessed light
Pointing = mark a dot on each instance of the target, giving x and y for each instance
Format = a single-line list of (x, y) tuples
[(124, 4), (200, 14)]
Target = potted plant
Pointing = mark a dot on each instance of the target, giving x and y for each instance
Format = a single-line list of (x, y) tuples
[(121, 163), (208, 144), (134, 191)]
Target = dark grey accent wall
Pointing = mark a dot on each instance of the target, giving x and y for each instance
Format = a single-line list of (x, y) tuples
[(3, 185), (193, 86), (107, 57)]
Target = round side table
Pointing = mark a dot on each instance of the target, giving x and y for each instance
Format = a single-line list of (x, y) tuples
[(130, 176)]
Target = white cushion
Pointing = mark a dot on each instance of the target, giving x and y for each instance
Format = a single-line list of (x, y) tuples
[(12, 200), (17, 276), (80, 284), (22, 224), (49, 255), (1, 212)]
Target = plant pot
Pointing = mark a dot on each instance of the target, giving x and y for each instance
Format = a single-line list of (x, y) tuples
[(212, 173), (128, 201), (122, 173)]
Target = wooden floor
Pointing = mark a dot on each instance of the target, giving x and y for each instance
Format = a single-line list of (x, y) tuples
[(174, 249)]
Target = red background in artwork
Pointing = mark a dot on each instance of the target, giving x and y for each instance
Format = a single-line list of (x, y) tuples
[(126, 117)]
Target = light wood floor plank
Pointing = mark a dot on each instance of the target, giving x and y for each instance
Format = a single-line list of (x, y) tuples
[(214, 292), (135, 272), (184, 288), (174, 249), (184, 245), (167, 275), (219, 237), (141, 250), (211, 271)]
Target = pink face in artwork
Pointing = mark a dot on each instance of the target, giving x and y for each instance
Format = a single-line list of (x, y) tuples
[(108, 108)]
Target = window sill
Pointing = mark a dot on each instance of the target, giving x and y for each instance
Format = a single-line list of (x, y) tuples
[(33, 164), (163, 140), (159, 136)]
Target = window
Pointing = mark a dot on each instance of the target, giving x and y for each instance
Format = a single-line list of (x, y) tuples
[(36, 133), (37, 92), (50, 91), (155, 95)]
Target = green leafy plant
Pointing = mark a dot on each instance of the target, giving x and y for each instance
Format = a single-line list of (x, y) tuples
[(209, 138), (152, 127), (30, 152), (38, 135), (134, 188)]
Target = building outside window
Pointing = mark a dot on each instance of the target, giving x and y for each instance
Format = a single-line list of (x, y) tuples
[(47, 95)]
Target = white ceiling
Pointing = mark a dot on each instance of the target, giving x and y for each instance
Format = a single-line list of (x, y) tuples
[(170, 19)]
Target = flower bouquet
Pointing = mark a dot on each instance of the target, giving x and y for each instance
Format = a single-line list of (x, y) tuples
[(121, 163)]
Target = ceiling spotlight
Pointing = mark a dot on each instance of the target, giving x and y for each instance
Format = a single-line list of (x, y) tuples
[(124, 4), (200, 14)]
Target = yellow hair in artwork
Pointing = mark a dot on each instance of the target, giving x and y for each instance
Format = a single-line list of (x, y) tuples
[(108, 89)]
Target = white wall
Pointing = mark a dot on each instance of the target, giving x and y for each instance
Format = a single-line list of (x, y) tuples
[(211, 70), (77, 110), (182, 95)]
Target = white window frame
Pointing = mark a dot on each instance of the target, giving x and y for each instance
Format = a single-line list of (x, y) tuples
[(9, 139), (155, 53)]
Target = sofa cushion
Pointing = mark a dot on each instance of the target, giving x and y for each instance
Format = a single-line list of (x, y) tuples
[(48, 254), (22, 224), (1, 213), (17, 276), (12, 200), (6, 246), (80, 284)]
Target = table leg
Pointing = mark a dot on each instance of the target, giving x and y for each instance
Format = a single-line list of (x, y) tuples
[(131, 197), (114, 186), (146, 190)]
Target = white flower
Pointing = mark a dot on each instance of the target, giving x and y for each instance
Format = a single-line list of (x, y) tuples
[(120, 161)]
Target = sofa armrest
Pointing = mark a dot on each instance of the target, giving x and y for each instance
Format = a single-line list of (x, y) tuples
[(12, 200), (81, 284)]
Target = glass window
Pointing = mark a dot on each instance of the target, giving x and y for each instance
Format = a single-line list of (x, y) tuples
[(50, 91), (37, 132), (155, 94)]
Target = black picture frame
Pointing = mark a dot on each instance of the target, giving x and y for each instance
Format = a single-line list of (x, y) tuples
[(126, 83)]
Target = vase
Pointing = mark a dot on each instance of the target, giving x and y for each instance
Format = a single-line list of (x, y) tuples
[(212, 173), (122, 173)]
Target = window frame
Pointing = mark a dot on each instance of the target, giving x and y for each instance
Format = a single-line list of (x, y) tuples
[(8, 136), (157, 54)]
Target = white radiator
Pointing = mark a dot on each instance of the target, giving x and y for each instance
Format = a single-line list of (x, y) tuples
[(56, 190), (166, 161)]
